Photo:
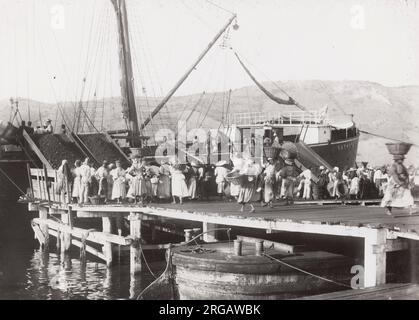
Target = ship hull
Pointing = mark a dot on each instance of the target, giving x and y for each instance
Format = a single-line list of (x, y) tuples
[(340, 154)]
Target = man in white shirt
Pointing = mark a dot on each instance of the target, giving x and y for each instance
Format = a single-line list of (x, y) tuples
[(48, 127)]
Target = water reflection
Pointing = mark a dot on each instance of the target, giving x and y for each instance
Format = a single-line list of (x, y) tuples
[(34, 274)]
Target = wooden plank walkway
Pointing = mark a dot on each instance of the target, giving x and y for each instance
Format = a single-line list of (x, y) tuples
[(381, 233), (332, 214), (405, 291)]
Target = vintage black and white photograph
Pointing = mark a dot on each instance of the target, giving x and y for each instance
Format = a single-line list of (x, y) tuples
[(209, 150)]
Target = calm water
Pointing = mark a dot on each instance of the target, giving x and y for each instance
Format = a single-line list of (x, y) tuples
[(28, 273)]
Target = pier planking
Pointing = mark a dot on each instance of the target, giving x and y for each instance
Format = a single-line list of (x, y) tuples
[(381, 233)]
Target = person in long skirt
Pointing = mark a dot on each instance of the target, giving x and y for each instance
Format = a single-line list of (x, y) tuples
[(63, 182), (110, 182), (119, 187), (85, 179), (76, 181), (192, 182), (269, 183), (179, 187), (163, 189), (398, 190), (248, 185), (220, 173), (102, 178), (138, 188)]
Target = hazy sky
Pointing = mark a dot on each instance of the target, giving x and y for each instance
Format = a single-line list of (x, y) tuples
[(49, 46)]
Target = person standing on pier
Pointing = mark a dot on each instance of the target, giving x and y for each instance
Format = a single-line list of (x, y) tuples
[(289, 175), (163, 189), (138, 188), (119, 190), (398, 192), (76, 181), (192, 182), (220, 175), (248, 184), (179, 187), (102, 178), (109, 182), (269, 183), (85, 178), (64, 179)]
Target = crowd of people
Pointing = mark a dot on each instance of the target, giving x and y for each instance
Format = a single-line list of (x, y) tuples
[(144, 181)]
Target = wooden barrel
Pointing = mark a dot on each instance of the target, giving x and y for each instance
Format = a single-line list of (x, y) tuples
[(219, 274)]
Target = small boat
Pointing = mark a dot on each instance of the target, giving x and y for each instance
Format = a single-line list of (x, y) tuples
[(213, 271)]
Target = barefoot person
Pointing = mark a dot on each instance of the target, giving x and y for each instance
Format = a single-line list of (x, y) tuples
[(397, 193)]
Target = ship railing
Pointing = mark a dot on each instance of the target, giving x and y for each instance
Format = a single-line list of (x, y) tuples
[(286, 118)]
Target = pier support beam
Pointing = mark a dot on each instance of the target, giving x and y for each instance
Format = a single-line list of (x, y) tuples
[(107, 247), (375, 260), (135, 249), (43, 215), (66, 236), (209, 236)]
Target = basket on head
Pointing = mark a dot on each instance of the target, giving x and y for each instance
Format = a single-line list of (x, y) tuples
[(398, 148), (270, 152), (234, 177)]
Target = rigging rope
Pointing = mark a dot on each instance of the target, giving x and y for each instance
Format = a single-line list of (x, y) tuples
[(8, 178)]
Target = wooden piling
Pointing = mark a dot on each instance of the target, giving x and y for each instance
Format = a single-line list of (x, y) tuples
[(66, 236), (210, 236), (107, 247), (135, 250), (375, 261), (43, 215)]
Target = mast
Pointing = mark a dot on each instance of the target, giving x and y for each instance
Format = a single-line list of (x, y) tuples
[(129, 110), (186, 75)]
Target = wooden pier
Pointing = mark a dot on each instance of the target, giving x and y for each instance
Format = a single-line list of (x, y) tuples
[(395, 291), (380, 233)]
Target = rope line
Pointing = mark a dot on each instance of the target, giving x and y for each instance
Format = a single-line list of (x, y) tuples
[(306, 272)]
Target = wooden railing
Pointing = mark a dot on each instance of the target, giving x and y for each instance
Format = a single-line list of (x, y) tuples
[(43, 183)]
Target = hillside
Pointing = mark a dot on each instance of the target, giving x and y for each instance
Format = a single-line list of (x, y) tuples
[(387, 111)]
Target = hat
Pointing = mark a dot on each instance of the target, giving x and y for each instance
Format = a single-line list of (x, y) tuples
[(336, 169), (194, 164), (221, 163), (49, 120), (321, 167), (105, 162)]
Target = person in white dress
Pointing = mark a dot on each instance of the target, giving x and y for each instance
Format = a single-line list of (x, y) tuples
[(220, 173), (179, 187), (269, 183), (136, 174), (163, 189), (237, 166), (119, 190)]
